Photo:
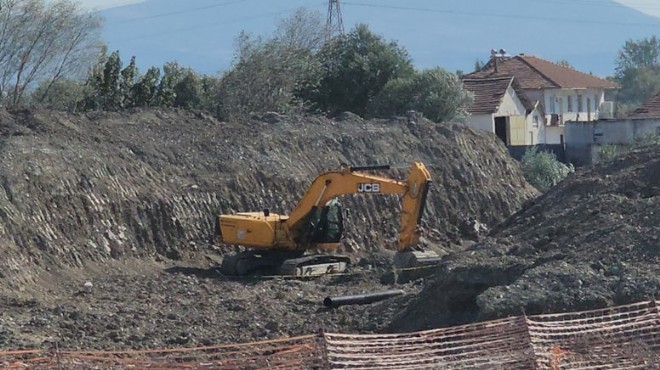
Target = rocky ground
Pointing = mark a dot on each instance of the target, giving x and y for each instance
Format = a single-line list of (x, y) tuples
[(144, 304), (592, 241), (128, 202)]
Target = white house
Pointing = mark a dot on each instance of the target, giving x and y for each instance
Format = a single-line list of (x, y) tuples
[(562, 93), (500, 107)]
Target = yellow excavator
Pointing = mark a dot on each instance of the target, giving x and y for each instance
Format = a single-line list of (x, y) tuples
[(290, 245)]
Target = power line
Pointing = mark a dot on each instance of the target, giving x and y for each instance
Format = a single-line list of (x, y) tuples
[(202, 26), (538, 18), (179, 12)]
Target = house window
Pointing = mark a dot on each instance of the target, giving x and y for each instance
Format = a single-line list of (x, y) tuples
[(551, 105), (536, 121), (579, 103), (569, 101), (596, 101)]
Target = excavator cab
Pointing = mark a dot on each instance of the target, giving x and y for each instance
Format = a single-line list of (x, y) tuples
[(324, 225)]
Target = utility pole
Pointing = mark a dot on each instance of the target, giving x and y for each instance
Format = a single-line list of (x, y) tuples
[(334, 26)]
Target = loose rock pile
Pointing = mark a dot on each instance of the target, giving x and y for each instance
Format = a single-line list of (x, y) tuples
[(592, 241)]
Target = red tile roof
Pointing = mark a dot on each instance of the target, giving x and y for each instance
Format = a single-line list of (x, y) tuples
[(536, 73), (488, 93), (650, 108)]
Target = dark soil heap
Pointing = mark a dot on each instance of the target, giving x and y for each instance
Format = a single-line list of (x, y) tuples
[(592, 241), (115, 198)]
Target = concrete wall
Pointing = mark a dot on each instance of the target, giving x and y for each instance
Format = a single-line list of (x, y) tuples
[(584, 139), (483, 122), (553, 134)]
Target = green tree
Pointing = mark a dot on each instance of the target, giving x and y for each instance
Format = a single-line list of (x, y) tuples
[(638, 54), (638, 71), (110, 88), (179, 87), (166, 94), (93, 100), (355, 68), (188, 90), (436, 93), (128, 78), (210, 95), (638, 84), (143, 92)]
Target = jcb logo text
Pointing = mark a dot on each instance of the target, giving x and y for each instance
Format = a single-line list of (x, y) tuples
[(368, 188)]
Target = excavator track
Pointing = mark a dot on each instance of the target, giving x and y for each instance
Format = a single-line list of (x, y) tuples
[(288, 263), (315, 265)]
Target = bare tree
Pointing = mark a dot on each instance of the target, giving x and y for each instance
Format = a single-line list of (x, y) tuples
[(44, 42), (304, 29)]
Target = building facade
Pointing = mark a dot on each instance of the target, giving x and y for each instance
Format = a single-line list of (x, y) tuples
[(559, 93)]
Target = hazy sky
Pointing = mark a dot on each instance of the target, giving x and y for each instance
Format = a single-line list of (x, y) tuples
[(650, 7), (201, 33), (106, 4)]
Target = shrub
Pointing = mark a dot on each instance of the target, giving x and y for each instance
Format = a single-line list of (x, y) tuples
[(543, 170), (609, 152)]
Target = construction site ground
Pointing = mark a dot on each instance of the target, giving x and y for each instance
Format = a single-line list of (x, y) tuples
[(127, 202)]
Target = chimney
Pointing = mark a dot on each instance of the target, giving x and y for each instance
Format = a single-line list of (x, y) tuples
[(493, 56)]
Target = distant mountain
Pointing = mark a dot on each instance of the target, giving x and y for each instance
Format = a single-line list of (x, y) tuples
[(451, 34)]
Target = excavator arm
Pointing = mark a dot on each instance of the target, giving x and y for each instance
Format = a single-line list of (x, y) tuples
[(350, 180)]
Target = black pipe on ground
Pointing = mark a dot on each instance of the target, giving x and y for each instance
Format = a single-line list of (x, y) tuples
[(361, 298)]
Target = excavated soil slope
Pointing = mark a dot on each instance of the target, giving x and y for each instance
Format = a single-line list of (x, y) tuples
[(592, 241), (128, 203)]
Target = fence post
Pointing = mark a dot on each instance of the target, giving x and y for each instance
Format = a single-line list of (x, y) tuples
[(57, 355), (528, 338), (323, 349)]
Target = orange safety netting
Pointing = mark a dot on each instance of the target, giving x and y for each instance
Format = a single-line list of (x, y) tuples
[(623, 337)]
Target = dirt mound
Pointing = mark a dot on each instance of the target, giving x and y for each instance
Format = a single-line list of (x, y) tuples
[(592, 241), (89, 187), (97, 189)]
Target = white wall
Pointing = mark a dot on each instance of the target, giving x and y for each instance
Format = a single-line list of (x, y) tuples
[(622, 131), (483, 122), (565, 102), (511, 105), (583, 139), (553, 134)]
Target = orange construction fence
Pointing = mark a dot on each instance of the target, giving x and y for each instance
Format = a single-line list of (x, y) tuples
[(623, 337)]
